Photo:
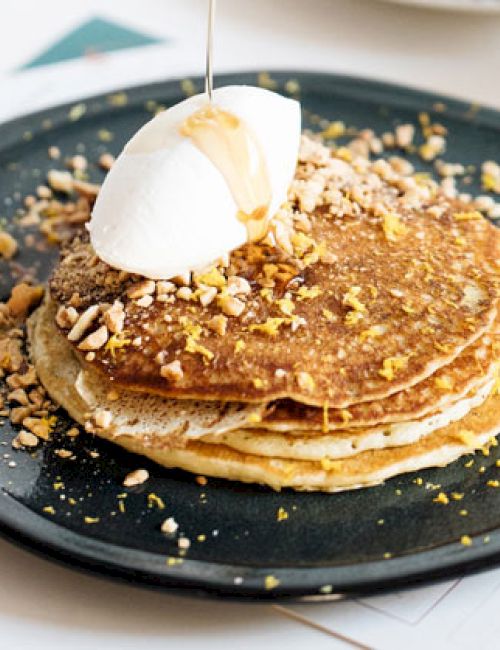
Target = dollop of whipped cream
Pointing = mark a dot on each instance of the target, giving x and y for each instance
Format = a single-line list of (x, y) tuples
[(165, 208)]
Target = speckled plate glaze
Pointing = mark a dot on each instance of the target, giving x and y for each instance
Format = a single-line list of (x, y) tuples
[(331, 544)]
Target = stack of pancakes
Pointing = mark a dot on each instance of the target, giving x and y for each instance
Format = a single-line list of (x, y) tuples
[(356, 342)]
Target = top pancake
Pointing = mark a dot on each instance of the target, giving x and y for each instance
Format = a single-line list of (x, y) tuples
[(377, 283)]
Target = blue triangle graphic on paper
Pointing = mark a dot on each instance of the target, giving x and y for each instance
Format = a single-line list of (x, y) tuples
[(94, 36)]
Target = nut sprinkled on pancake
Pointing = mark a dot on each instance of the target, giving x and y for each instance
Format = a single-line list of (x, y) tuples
[(360, 271)]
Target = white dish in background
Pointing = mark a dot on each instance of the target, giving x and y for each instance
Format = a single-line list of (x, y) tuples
[(473, 6)]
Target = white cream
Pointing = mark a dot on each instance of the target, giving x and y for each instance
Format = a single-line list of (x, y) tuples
[(165, 208)]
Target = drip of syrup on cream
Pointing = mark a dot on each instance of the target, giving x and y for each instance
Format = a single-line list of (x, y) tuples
[(235, 151)]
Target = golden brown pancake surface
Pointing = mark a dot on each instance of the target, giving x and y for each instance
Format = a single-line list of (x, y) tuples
[(382, 294)]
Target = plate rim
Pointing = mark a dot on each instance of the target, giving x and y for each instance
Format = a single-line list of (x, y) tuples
[(24, 526)]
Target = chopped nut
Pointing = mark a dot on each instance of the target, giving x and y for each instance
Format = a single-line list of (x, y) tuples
[(114, 317), (23, 298), (140, 289), (207, 296), (404, 135), (238, 286), (169, 526), (19, 395), (184, 293), (218, 324), (172, 371), (164, 287), (78, 163), (96, 340), (230, 305), (145, 301), (137, 477), (106, 161), (8, 245), (25, 439), (83, 323), (103, 418), (66, 317), (54, 152), (60, 181)]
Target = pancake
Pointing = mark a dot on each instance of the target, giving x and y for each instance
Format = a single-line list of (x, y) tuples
[(312, 445), (366, 468), (83, 393), (446, 386), (373, 291)]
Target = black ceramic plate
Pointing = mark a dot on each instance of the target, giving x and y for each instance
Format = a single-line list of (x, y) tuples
[(355, 542)]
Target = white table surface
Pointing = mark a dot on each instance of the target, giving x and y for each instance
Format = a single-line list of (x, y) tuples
[(46, 606)]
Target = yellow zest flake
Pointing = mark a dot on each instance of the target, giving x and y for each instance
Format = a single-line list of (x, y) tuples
[(391, 365), (345, 415), (254, 418), (443, 383), (441, 498), (270, 327), (490, 183), (421, 178), (121, 506), (270, 582), (117, 342), (330, 465), (155, 501), (350, 299), (305, 381), (58, 486), (442, 348), (286, 306), (457, 496), (239, 346), (473, 215), (353, 318), (91, 520), (190, 329), (393, 226), (493, 484), (372, 332), (282, 514), (301, 243), (212, 278), (329, 315), (258, 382), (408, 309), (344, 154), (468, 438), (326, 421), (373, 291), (196, 348), (266, 81), (267, 294), (466, 540), (334, 130), (460, 241), (270, 270), (49, 510), (307, 293), (172, 561)]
